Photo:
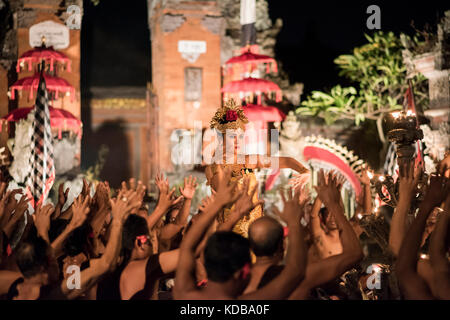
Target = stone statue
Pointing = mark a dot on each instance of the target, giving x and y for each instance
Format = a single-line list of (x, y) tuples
[(20, 148), (291, 139)]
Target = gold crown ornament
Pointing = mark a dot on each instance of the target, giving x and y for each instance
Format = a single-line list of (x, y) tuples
[(230, 116)]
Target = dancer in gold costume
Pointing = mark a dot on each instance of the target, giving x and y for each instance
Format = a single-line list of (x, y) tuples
[(230, 121)]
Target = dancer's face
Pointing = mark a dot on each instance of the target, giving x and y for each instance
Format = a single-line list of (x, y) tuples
[(233, 141)]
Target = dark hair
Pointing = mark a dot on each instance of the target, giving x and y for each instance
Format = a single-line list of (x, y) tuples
[(31, 257), (323, 214), (56, 228), (134, 226), (270, 243), (76, 241), (225, 253)]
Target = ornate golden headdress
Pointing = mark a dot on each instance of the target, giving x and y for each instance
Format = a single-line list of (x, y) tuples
[(230, 116)]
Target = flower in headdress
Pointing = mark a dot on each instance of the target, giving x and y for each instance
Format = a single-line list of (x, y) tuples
[(231, 115)]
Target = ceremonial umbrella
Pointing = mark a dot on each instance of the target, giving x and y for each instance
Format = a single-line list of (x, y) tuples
[(249, 60), (36, 55), (54, 84), (250, 86), (60, 119), (255, 112)]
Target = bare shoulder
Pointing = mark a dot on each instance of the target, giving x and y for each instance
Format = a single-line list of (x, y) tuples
[(132, 278)]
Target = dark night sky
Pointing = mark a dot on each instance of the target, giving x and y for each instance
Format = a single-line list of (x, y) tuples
[(116, 39)]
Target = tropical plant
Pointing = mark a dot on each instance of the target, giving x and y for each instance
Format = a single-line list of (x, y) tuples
[(380, 79)]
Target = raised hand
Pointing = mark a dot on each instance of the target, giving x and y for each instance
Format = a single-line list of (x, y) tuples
[(444, 167), (4, 216), (167, 199), (3, 187), (188, 189), (226, 192), (292, 211), (11, 201), (244, 204), (161, 183), (86, 191), (327, 189), (125, 203), (438, 189), (408, 179), (41, 218), (207, 201), (62, 195), (80, 209)]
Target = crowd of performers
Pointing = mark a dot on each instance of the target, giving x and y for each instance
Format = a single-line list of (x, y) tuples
[(110, 247)]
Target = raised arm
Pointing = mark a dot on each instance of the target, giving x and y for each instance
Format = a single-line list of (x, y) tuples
[(165, 201), (258, 161), (317, 232), (411, 284), (367, 200), (243, 206), (438, 255), (325, 270), (120, 208), (408, 179), (294, 271), (185, 280), (80, 209)]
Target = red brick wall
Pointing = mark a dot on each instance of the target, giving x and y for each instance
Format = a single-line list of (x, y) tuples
[(168, 74)]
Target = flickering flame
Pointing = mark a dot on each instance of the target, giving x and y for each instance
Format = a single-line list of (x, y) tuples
[(396, 115), (359, 215), (369, 174), (423, 256)]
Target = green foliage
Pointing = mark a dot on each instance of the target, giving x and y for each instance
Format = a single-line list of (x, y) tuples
[(379, 75)]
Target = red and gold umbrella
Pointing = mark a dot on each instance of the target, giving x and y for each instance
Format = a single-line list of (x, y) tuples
[(60, 119), (255, 112), (249, 61), (37, 55), (54, 84), (251, 86)]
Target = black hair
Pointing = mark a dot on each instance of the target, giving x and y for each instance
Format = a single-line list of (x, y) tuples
[(56, 228), (31, 257), (134, 226), (76, 241), (323, 214), (225, 253), (268, 245)]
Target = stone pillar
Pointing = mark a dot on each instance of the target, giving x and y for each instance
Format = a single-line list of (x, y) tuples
[(435, 65), (185, 37)]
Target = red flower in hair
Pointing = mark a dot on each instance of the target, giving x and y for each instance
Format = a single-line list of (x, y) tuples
[(231, 115)]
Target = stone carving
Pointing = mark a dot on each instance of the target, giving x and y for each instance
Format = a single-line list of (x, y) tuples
[(437, 142), (291, 140), (20, 148), (214, 24), (25, 18), (65, 152), (172, 22)]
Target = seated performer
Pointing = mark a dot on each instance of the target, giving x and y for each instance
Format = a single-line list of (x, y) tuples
[(229, 122)]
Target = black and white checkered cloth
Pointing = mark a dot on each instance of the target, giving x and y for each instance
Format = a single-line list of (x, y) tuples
[(42, 170)]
